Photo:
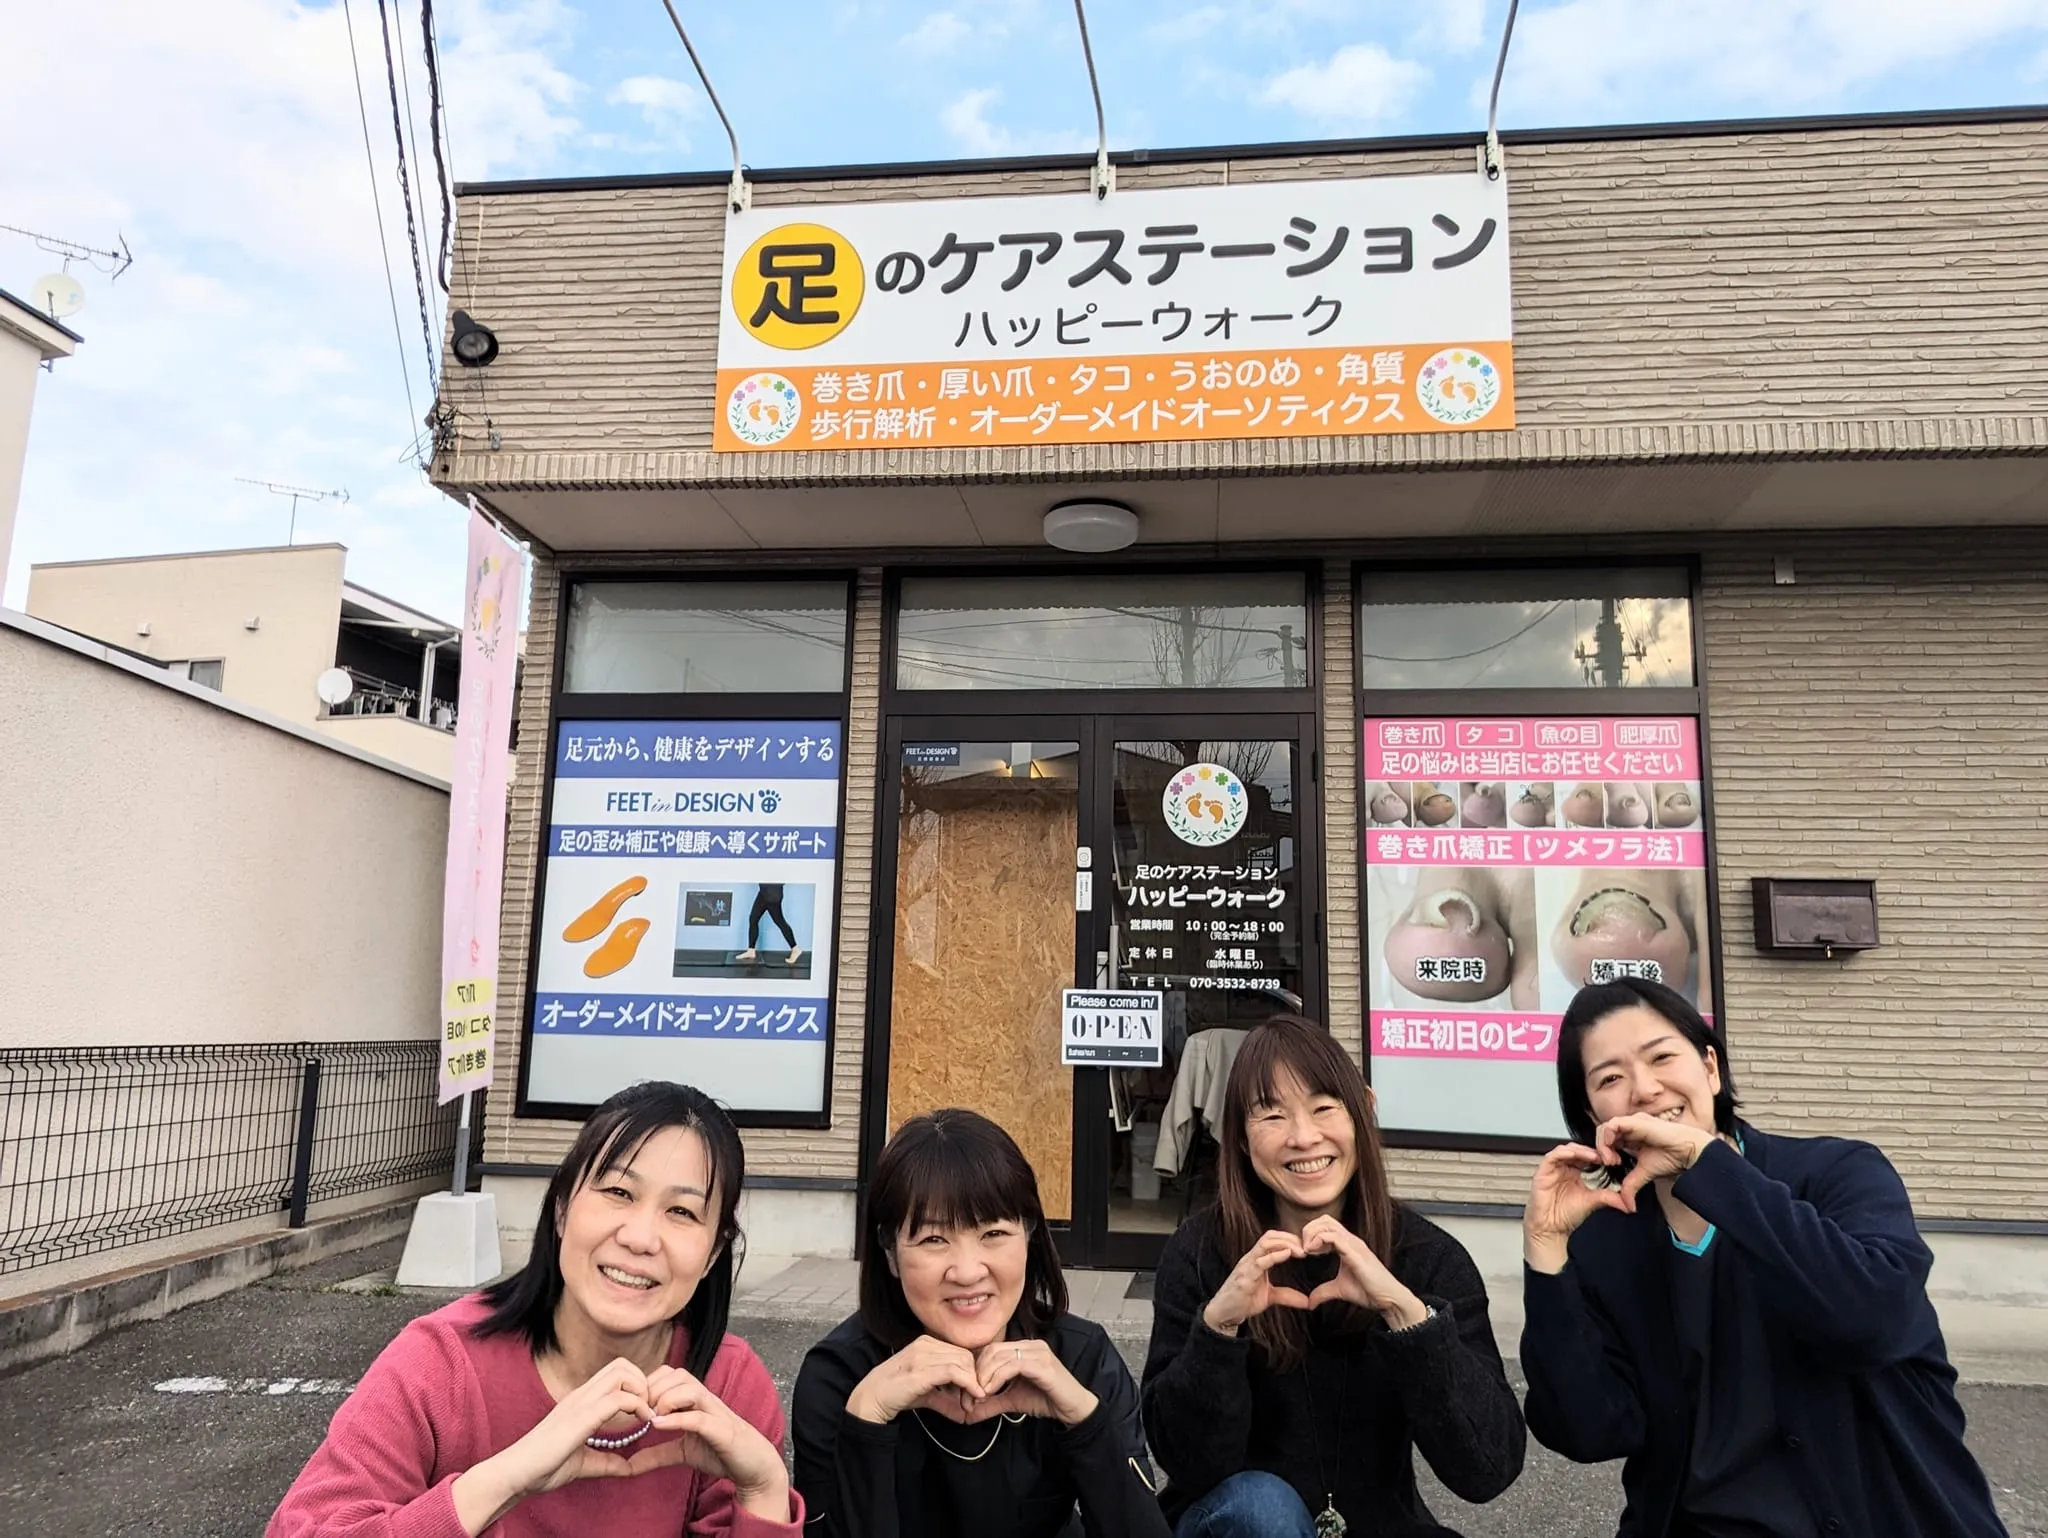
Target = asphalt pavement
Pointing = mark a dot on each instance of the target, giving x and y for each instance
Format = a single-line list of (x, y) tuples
[(194, 1425)]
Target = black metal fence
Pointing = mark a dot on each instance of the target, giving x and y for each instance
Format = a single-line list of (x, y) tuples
[(102, 1147)]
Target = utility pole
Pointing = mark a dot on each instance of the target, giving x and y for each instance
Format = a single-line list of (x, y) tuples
[(1608, 662)]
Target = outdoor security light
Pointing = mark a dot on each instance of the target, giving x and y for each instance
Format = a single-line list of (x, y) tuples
[(1091, 528), (474, 345)]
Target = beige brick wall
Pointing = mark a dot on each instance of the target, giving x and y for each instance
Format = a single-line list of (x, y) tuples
[(832, 1152), (1849, 290), (1887, 716)]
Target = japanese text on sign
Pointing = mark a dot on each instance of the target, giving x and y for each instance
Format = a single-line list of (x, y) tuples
[(687, 912), (1280, 309)]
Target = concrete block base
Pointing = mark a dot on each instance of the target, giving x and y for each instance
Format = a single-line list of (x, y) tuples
[(453, 1243)]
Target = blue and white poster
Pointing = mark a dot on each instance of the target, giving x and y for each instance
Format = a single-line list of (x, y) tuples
[(686, 917)]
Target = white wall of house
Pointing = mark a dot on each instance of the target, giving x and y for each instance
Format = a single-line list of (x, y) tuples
[(178, 867), (26, 341)]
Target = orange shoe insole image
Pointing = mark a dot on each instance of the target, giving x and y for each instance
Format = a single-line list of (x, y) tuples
[(617, 950), (590, 923)]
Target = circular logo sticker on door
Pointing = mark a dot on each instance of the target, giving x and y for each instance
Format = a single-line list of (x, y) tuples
[(1205, 805)]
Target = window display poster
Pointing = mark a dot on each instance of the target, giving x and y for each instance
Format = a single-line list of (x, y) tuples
[(686, 912), (1510, 862)]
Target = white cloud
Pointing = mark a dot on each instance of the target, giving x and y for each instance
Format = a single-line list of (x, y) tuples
[(253, 336), (1602, 57), (1359, 86), (939, 33), (1458, 26), (1189, 26), (966, 120), (666, 103)]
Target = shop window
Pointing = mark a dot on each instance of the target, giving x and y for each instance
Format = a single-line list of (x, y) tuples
[(1526, 629), (1520, 843), (706, 638), (1183, 631)]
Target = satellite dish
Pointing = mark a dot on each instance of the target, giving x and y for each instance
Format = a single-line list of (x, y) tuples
[(334, 687), (57, 295)]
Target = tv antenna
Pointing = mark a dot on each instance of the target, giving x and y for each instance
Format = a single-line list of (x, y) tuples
[(296, 493), (58, 293)]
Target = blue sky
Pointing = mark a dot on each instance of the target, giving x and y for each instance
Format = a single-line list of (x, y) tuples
[(253, 336)]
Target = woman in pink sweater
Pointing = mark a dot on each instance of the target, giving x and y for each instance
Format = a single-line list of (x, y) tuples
[(596, 1391)]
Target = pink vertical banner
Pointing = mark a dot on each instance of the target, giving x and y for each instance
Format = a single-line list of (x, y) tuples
[(476, 808)]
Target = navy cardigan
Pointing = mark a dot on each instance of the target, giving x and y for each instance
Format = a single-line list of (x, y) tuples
[(1864, 1391)]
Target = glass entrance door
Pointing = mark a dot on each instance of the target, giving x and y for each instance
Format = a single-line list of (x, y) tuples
[(1105, 851), (1207, 901)]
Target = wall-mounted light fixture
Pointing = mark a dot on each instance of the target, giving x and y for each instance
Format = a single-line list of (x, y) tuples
[(474, 346), (1090, 528)]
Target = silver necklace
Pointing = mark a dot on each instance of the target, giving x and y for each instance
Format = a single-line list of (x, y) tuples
[(1006, 1418), (1329, 1521), (613, 1444)]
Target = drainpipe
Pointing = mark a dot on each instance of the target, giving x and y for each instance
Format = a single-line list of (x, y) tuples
[(427, 680)]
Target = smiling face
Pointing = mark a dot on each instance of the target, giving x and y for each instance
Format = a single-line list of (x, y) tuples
[(1637, 1062), (637, 1238), (1304, 1149), (963, 1284)]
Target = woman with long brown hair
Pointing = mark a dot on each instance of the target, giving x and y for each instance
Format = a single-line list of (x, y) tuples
[(1309, 1331)]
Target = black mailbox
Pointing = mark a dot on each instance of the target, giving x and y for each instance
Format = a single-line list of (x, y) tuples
[(1800, 916)]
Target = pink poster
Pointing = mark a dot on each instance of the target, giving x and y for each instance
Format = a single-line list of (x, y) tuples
[(1512, 861), (476, 808)]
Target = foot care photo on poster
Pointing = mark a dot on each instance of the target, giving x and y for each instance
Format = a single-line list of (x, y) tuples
[(1510, 863)]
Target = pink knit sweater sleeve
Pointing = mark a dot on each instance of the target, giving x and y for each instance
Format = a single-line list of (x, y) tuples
[(740, 1380), (381, 1472)]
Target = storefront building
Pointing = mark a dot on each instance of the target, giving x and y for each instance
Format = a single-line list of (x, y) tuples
[(1524, 570)]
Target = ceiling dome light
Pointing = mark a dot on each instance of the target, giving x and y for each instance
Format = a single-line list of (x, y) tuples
[(1091, 528), (474, 346)]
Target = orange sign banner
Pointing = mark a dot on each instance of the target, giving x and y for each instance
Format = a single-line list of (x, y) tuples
[(1297, 393)]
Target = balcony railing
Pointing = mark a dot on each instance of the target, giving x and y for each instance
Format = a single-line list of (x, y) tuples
[(380, 697)]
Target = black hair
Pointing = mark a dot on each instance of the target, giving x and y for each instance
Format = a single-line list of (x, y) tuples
[(955, 1169), (525, 1302), (1591, 1005)]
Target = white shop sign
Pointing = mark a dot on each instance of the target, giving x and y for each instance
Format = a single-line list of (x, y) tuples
[(1115, 1029)]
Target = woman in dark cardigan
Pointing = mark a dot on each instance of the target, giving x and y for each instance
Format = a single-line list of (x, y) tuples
[(1741, 1316), (963, 1400), (1309, 1331)]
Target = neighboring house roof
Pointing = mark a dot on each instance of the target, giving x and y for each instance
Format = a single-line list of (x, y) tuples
[(19, 316), (390, 610)]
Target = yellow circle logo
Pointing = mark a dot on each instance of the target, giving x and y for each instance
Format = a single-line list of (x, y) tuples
[(798, 286)]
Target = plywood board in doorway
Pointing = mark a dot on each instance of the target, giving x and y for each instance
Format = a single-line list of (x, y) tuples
[(984, 944)]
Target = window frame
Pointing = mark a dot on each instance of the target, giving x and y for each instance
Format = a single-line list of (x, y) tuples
[(1057, 700), (567, 707), (1649, 700), (702, 578)]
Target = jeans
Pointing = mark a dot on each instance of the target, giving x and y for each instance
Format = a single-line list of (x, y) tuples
[(1248, 1505)]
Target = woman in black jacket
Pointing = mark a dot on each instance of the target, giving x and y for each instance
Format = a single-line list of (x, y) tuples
[(1309, 1332), (1755, 1338), (963, 1399)]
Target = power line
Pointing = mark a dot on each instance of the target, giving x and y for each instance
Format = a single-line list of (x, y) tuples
[(419, 278), (411, 118), (437, 115), (383, 242)]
